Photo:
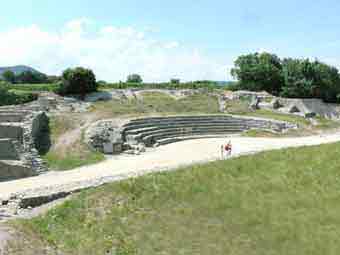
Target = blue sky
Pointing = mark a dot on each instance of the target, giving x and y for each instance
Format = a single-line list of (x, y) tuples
[(163, 39)]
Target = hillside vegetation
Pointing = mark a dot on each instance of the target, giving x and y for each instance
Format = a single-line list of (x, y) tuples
[(13, 97), (277, 202), (288, 77)]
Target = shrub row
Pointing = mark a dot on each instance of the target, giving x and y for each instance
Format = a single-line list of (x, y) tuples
[(8, 97)]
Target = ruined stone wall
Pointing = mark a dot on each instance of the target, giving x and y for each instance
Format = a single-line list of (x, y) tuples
[(23, 133), (35, 134)]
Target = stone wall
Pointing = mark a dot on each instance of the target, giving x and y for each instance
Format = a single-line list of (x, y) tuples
[(22, 134), (13, 131), (8, 150), (14, 170)]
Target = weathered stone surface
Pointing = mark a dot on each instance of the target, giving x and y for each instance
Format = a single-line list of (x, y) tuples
[(105, 136), (41, 132), (108, 148), (254, 105), (13, 131), (99, 96), (310, 107), (276, 104), (19, 141), (14, 170), (293, 109), (8, 150)]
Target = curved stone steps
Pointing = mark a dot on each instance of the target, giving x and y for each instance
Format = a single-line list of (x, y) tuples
[(183, 138), (179, 130), (139, 131), (152, 139), (143, 126), (165, 129)]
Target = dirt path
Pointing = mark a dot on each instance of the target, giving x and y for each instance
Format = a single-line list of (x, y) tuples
[(4, 237), (159, 159)]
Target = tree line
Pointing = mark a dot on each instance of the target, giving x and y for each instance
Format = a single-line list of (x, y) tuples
[(288, 77), (29, 77)]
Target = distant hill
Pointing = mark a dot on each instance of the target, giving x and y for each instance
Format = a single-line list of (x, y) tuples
[(224, 83), (17, 69)]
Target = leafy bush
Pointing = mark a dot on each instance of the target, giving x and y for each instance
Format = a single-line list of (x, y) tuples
[(287, 77), (175, 81), (134, 78), (9, 76), (31, 77), (8, 97), (77, 81)]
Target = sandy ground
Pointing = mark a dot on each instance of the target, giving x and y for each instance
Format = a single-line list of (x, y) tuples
[(162, 158), (4, 237)]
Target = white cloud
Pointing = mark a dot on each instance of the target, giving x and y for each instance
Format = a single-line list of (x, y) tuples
[(112, 52)]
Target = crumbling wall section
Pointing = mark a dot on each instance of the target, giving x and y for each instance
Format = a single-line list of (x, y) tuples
[(35, 138)]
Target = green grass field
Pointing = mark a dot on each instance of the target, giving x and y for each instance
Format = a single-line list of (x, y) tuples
[(158, 103), (277, 202), (45, 87)]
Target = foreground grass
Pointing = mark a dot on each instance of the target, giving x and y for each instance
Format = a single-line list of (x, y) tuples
[(277, 202), (72, 158)]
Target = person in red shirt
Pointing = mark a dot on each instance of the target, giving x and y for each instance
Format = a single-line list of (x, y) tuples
[(227, 148)]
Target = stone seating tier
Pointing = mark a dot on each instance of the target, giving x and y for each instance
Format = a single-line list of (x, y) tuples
[(162, 130)]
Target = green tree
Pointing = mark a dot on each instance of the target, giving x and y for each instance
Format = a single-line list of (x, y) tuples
[(134, 78), (78, 81), (175, 81), (9, 76), (31, 77), (306, 79), (259, 71)]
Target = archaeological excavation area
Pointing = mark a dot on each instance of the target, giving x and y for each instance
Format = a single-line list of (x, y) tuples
[(137, 134)]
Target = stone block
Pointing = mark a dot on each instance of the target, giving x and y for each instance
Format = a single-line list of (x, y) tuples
[(12, 132), (108, 148), (8, 150), (14, 170)]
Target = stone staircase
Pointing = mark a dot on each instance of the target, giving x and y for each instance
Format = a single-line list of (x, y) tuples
[(163, 130), (19, 130)]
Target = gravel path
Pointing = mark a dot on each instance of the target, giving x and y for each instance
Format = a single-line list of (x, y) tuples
[(162, 158)]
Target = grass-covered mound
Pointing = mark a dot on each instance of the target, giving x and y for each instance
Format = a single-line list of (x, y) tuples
[(159, 103), (277, 202)]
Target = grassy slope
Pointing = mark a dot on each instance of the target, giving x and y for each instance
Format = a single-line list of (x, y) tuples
[(72, 155), (278, 202), (158, 103)]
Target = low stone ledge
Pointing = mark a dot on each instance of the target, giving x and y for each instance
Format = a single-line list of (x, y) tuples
[(10, 169)]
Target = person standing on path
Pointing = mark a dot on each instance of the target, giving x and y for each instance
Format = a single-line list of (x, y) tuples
[(226, 150)]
